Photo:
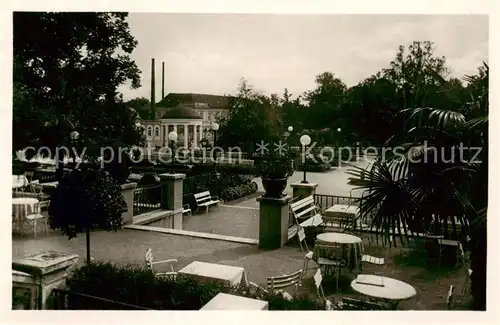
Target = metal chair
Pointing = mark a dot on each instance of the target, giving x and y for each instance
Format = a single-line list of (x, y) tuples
[(150, 263), (308, 254), (334, 262), (318, 278), (35, 217), (278, 284)]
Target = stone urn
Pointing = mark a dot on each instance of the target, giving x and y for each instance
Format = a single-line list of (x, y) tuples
[(274, 187)]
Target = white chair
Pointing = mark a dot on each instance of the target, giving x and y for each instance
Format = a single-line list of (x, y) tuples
[(449, 298), (278, 284), (468, 272), (150, 263), (35, 217), (318, 278), (302, 241)]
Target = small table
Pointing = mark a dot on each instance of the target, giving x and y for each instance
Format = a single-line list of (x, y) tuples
[(21, 207), (225, 274), (341, 210), (224, 301), (383, 288), (352, 246), (340, 215)]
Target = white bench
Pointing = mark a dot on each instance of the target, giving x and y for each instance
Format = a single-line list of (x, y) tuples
[(306, 212), (204, 199)]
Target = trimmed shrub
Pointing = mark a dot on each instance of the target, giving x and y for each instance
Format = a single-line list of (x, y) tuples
[(138, 286), (236, 192)]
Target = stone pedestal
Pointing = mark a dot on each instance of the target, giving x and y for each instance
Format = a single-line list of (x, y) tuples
[(128, 195), (273, 222), (171, 196), (34, 277), (303, 190)]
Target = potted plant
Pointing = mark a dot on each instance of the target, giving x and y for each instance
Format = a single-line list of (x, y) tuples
[(274, 171)]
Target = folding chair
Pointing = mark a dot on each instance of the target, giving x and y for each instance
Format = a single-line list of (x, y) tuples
[(278, 284), (318, 278), (335, 261), (302, 241)]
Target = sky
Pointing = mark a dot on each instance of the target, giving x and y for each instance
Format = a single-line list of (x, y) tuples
[(210, 53)]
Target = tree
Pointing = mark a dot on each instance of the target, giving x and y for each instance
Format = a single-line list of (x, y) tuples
[(405, 191), (252, 118), (141, 106), (84, 200), (324, 101), (67, 68)]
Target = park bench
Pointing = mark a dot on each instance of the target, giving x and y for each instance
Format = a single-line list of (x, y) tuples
[(306, 212), (204, 199)]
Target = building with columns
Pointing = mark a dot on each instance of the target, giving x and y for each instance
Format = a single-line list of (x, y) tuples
[(190, 115)]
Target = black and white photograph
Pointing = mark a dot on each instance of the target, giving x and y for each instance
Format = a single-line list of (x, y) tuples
[(167, 161)]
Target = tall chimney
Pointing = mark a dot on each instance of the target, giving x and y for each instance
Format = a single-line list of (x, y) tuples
[(162, 80), (152, 112)]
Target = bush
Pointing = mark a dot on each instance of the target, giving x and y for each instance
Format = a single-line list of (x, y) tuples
[(138, 286), (236, 192)]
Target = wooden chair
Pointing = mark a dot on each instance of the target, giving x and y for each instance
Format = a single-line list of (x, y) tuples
[(150, 263), (318, 278), (308, 254), (278, 284), (334, 262), (306, 212), (36, 217)]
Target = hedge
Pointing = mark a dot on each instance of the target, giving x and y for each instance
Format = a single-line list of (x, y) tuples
[(238, 191), (138, 286)]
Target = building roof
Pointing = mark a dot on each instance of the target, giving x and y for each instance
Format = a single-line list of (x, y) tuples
[(181, 112), (196, 100)]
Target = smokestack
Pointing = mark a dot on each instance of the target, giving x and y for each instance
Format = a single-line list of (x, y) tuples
[(162, 80), (152, 112)]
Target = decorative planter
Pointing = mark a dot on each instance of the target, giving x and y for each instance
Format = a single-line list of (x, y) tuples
[(274, 187)]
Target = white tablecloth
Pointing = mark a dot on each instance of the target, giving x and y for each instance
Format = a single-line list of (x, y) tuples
[(341, 210), (23, 206), (224, 301), (383, 287), (352, 247), (225, 274)]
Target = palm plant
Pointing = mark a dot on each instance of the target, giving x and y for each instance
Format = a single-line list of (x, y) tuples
[(430, 174)]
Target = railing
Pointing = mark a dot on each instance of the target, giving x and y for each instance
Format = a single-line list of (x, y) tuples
[(67, 300), (326, 201), (147, 199)]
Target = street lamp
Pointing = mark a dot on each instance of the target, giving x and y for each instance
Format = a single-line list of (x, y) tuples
[(215, 127), (305, 140), (172, 136), (74, 135), (290, 128)]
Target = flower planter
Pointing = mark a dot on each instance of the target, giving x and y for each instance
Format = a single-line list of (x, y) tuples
[(274, 187)]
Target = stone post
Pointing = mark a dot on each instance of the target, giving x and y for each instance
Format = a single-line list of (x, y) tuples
[(303, 189), (128, 195), (273, 222), (34, 277), (171, 196)]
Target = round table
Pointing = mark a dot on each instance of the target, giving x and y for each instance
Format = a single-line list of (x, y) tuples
[(352, 247), (19, 181), (392, 289), (21, 207)]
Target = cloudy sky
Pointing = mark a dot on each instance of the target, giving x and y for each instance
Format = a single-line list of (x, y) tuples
[(210, 53)]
